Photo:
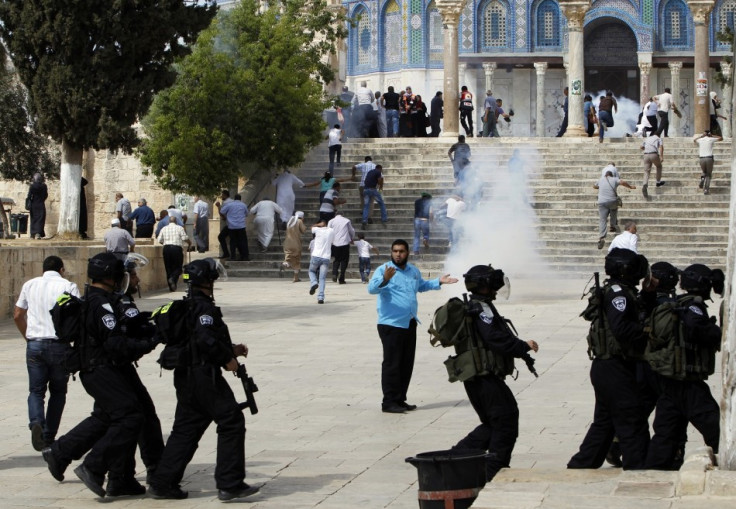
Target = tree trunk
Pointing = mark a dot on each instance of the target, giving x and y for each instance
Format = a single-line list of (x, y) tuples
[(6, 222), (70, 180)]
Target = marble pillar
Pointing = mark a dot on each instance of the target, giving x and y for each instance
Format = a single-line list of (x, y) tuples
[(541, 68), (727, 447), (700, 10), (675, 68), (574, 11), (489, 68), (461, 68), (644, 70), (450, 11), (726, 107)]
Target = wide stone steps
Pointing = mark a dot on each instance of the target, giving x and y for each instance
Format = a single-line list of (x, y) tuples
[(678, 223)]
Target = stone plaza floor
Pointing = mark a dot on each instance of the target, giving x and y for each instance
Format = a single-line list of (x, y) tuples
[(320, 439)]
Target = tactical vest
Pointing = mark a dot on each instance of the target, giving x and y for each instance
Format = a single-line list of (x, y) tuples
[(602, 343), (174, 327), (452, 326), (668, 351)]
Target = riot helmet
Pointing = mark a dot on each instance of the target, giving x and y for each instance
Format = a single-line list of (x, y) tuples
[(700, 280), (204, 272), (485, 276), (106, 266), (667, 274), (135, 261), (626, 266)]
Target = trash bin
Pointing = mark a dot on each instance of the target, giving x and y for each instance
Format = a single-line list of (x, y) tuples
[(449, 479), (19, 223)]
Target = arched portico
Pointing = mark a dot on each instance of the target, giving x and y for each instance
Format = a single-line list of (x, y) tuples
[(611, 61)]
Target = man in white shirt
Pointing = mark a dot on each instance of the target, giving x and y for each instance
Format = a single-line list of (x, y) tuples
[(334, 145), (319, 263), (455, 207), (665, 103), (627, 240), (173, 237), (653, 148), (45, 354), (201, 225), (705, 156), (363, 116), (344, 235)]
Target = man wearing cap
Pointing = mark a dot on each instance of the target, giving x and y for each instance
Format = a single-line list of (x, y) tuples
[(144, 220), (118, 241), (422, 217)]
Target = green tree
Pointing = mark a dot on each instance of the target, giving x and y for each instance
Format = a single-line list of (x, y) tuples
[(23, 151), (92, 68), (249, 97)]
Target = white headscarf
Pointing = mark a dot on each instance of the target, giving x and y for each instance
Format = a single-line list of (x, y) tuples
[(297, 215)]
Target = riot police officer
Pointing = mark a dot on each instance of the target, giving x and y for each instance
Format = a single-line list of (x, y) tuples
[(617, 351), (491, 398), (105, 355), (204, 396), (685, 396)]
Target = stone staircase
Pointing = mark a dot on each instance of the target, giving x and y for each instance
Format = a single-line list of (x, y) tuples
[(550, 226)]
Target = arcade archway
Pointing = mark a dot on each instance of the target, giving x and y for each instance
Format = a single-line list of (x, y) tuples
[(611, 58)]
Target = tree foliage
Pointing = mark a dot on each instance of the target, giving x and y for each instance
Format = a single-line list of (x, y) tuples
[(250, 96), (23, 150), (92, 67)]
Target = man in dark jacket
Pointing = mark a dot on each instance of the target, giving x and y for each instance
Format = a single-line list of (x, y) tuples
[(436, 114)]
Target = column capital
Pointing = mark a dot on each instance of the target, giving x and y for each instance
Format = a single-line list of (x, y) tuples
[(489, 67), (675, 67), (574, 11), (700, 9), (541, 67), (450, 10), (645, 67), (462, 66), (726, 68)]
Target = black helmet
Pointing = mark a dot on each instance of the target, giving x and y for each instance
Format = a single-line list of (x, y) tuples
[(626, 265), (203, 272), (135, 261), (699, 279), (484, 276), (667, 274), (105, 266)]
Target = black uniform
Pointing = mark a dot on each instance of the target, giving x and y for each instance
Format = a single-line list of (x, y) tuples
[(689, 400), (122, 404), (204, 396), (491, 398), (619, 406)]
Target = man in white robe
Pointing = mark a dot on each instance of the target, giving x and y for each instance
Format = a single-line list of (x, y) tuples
[(264, 211), (284, 185)]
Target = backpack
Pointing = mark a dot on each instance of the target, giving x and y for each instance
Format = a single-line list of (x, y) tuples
[(452, 326), (68, 316), (174, 329), (602, 344)]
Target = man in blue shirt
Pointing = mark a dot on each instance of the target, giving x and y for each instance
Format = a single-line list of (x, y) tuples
[(396, 283), (235, 212), (144, 220)]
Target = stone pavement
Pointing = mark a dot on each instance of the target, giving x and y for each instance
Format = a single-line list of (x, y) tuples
[(321, 440)]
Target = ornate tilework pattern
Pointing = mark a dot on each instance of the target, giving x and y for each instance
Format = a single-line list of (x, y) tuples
[(621, 5), (548, 25), (374, 14), (436, 37), (466, 27), (415, 32), (726, 15), (392, 35), (648, 11), (493, 26), (675, 24), (362, 39), (521, 30)]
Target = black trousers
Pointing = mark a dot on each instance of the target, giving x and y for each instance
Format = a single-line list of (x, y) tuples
[(619, 412), (664, 123), (82, 438), (38, 218), (203, 396), (653, 122), (467, 116), (113, 428), (143, 231), (496, 407), (399, 348), (173, 261), (239, 243), (222, 239), (342, 256), (681, 402)]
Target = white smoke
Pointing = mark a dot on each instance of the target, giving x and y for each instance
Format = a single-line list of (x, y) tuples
[(501, 229), (624, 119)]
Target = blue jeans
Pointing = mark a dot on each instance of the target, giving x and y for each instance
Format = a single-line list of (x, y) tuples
[(322, 265), (392, 123), (376, 195), (604, 117), (364, 265), (421, 229), (44, 361)]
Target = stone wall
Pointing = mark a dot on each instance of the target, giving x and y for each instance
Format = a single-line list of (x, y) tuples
[(23, 262)]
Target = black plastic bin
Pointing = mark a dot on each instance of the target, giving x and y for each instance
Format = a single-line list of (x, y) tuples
[(19, 223), (449, 479)]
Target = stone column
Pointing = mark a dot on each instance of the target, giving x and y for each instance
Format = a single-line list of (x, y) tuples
[(726, 70), (541, 68), (700, 10), (489, 68), (450, 11), (644, 70), (675, 68), (461, 68), (574, 11), (727, 447)]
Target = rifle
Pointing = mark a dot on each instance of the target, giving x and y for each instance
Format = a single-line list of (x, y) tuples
[(509, 326), (249, 386)]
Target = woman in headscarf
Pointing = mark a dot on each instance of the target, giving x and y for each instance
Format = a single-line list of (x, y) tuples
[(715, 105), (37, 194), (264, 221), (293, 244)]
